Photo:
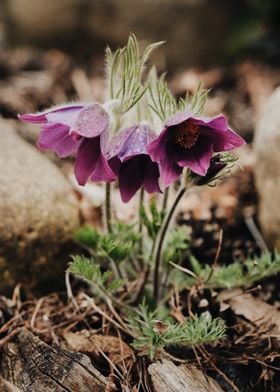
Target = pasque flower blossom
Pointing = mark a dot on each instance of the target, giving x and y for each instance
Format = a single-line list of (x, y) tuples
[(131, 162), (217, 165), (79, 128), (189, 141)]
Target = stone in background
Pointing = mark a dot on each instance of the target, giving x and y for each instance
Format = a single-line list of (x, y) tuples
[(38, 215), (267, 168)]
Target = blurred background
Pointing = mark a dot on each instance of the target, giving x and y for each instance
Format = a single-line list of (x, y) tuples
[(52, 51), (224, 44), (197, 32)]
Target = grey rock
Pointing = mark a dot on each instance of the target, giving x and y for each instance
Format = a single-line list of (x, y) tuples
[(38, 215), (267, 168)]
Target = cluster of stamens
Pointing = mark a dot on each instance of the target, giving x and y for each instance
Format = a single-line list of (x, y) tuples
[(186, 134)]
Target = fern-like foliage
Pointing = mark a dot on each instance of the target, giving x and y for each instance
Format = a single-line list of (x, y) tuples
[(116, 246), (230, 276), (88, 237), (153, 334), (89, 270), (152, 219), (177, 243)]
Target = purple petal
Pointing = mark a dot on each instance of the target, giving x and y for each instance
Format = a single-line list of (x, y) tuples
[(56, 137), (86, 159), (157, 148), (224, 140), (161, 152), (115, 165), (132, 141), (90, 162), (170, 171), (219, 122), (66, 116), (42, 117), (103, 171), (131, 178), (178, 118), (33, 118), (137, 172), (198, 157), (151, 179), (118, 141), (137, 142), (91, 121)]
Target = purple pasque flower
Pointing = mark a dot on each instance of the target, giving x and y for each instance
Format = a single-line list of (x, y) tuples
[(79, 128), (131, 162), (188, 141), (217, 165)]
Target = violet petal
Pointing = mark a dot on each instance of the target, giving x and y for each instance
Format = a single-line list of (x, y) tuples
[(54, 115), (198, 157), (151, 179), (169, 170), (103, 171), (86, 159), (131, 178), (223, 140), (56, 137), (157, 148), (91, 121)]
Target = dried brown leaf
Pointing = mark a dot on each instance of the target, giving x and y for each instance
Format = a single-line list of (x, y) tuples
[(91, 343), (256, 311)]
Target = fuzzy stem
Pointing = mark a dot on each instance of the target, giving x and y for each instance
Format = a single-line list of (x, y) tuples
[(108, 212), (140, 228), (161, 241), (165, 199)]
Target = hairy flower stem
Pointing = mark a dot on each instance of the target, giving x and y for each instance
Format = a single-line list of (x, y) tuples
[(140, 228), (165, 200), (108, 212), (156, 283)]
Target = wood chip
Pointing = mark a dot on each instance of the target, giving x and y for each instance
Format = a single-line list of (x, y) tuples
[(167, 377), (32, 365), (6, 386)]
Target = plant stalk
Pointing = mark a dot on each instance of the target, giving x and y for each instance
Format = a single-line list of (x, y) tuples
[(163, 232), (140, 228), (165, 199), (108, 211)]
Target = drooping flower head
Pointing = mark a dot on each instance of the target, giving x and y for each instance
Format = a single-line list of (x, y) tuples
[(188, 141), (79, 128), (219, 163), (130, 161)]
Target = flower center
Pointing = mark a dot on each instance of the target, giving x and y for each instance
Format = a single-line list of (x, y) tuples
[(186, 134)]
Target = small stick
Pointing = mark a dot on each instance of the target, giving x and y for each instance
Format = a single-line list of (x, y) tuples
[(217, 255), (256, 233), (69, 291), (36, 310)]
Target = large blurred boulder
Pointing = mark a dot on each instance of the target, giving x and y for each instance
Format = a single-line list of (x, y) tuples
[(196, 31), (267, 168), (38, 215)]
